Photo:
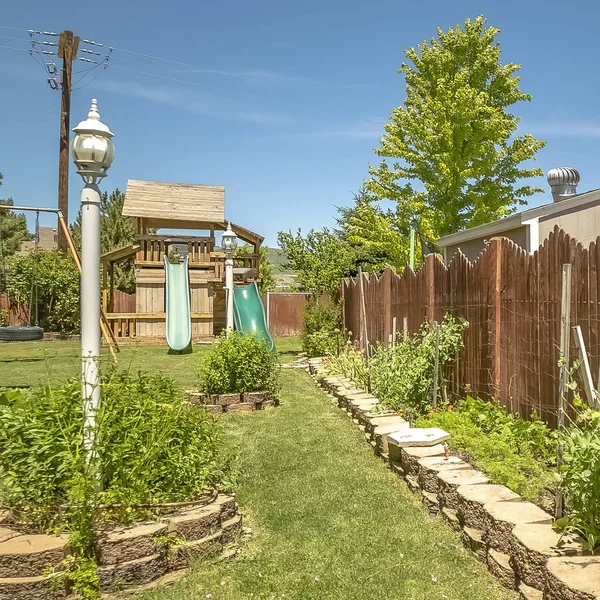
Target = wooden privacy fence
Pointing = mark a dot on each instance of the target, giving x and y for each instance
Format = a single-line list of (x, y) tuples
[(512, 301), (284, 312)]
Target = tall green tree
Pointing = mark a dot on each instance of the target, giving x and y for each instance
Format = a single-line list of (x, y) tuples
[(13, 227), (116, 231), (456, 160)]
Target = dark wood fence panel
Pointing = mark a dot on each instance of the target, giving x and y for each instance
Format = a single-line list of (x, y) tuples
[(123, 302), (512, 301), (284, 313), (17, 314)]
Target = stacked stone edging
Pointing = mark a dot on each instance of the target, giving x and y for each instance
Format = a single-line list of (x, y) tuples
[(127, 557), (512, 537), (220, 403)]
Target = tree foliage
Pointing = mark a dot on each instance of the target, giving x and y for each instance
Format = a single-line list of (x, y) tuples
[(13, 228), (51, 280), (267, 282), (377, 237), (320, 260), (116, 231), (457, 161)]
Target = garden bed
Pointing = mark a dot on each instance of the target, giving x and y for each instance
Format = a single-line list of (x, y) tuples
[(127, 556), (514, 538), (221, 403)]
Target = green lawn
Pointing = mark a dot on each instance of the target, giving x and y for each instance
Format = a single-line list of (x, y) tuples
[(34, 363), (329, 520)]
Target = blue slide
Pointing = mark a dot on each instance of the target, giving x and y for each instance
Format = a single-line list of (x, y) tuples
[(177, 305), (249, 312)]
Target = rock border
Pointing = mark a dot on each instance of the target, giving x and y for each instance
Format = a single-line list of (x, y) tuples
[(514, 538), (128, 557), (221, 403)]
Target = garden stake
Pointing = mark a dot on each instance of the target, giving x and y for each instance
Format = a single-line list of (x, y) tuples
[(436, 364), (565, 326)]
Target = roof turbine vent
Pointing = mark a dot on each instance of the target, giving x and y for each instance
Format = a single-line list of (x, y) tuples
[(563, 181)]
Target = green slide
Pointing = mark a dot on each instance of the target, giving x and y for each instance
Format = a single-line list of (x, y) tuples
[(177, 304), (249, 312)]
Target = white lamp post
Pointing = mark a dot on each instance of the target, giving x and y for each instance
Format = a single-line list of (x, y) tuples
[(93, 153), (229, 244)]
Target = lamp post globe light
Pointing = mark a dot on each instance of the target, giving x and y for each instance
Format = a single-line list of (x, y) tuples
[(229, 243), (93, 152)]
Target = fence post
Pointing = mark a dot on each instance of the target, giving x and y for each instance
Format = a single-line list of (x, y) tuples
[(430, 258), (365, 334), (565, 328), (436, 364), (497, 246), (269, 311), (386, 283)]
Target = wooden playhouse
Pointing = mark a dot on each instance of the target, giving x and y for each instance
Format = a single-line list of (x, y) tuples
[(156, 206)]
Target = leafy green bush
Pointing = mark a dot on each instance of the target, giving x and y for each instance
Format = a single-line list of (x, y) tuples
[(321, 323), (512, 451), (152, 448), (56, 280), (239, 362), (351, 363), (402, 376), (579, 475)]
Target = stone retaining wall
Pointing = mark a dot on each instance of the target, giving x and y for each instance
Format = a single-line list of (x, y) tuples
[(220, 403), (127, 557), (512, 537)]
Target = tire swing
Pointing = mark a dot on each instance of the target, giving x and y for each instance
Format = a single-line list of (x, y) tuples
[(23, 333)]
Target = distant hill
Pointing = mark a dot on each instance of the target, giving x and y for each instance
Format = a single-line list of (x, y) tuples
[(284, 276)]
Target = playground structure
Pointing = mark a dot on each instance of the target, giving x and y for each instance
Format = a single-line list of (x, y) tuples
[(180, 278)]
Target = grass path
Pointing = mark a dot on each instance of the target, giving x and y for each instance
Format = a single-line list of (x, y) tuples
[(330, 521)]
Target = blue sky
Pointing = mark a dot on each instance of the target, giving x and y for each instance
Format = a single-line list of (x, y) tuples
[(307, 84)]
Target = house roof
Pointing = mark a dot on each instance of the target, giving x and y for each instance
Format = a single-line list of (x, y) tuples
[(522, 218)]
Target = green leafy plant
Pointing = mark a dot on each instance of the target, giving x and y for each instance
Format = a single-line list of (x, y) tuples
[(153, 448), (402, 375), (351, 363), (579, 475), (54, 279), (240, 362), (515, 452), (321, 324)]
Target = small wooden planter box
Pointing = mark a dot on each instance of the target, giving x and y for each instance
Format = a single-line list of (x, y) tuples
[(220, 403)]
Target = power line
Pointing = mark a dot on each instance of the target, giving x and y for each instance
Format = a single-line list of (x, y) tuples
[(15, 28), (14, 48), (204, 69), (202, 85)]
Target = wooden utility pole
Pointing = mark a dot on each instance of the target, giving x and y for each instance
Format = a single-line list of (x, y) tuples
[(67, 50)]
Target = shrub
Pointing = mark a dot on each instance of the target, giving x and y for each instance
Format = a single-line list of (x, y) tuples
[(55, 278), (351, 363), (579, 475), (402, 376), (240, 362), (152, 448), (510, 450), (321, 323)]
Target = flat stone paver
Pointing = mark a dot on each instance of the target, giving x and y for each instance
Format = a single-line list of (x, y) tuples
[(533, 545), (421, 437), (473, 498), (410, 456), (450, 481), (574, 578), (503, 516), (430, 466)]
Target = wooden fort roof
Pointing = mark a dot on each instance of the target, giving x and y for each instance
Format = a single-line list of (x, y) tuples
[(159, 202)]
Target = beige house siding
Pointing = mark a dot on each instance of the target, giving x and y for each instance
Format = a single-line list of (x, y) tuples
[(581, 223), (473, 248)]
